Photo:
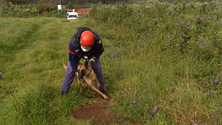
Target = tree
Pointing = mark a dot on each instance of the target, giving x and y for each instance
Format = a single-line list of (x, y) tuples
[(31, 1), (16, 1), (46, 5), (69, 5)]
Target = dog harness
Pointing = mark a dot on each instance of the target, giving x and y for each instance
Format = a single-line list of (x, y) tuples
[(88, 74)]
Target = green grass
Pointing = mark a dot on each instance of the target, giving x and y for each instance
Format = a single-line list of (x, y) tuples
[(145, 64), (32, 51)]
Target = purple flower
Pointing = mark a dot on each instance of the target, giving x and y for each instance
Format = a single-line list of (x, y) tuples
[(148, 85), (105, 85), (188, 24), (178, 45), (120, 41), (216, 80), (197, 18), (176, 119), (215, 92), (220, 107), (193, 121), (155, 109), (203, 43), (200, 66), (134, 101), (195, 55), (208, 93), (149, 117), (113, 55)]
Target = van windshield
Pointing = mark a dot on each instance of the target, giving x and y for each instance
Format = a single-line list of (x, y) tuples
[(72, 16)]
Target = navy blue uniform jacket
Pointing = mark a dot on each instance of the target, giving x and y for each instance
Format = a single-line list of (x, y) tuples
[(77, 53)]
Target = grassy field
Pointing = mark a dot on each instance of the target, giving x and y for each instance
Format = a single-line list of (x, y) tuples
[(159, 69), (31, 56)]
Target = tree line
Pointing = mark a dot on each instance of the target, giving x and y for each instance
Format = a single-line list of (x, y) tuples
[(65, 2), (83, 2), (27, 8)]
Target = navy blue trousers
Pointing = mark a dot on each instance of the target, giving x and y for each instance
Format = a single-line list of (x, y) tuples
[(72, 69)]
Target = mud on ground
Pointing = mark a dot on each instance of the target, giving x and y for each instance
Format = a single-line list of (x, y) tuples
[(98, 110)]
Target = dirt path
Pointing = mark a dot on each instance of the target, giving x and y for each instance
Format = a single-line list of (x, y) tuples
[(98, 110)]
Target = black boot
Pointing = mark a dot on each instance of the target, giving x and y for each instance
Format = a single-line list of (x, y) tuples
[(64, 93), (103, 91)]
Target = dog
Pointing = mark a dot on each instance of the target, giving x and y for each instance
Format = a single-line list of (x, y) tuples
[(86, 74)]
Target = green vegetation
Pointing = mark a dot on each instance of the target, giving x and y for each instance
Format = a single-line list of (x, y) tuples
[(46, 8), (161, 65)]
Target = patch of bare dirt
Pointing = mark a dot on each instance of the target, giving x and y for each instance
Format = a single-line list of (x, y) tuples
[(98, 111)]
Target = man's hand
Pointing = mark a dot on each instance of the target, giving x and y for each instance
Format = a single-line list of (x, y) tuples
[(85, 57), (92, 61)]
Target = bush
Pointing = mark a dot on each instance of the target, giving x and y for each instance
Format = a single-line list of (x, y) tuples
[(29, 10), (181, 39)]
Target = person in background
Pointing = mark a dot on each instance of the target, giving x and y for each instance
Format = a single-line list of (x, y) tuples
[(84, 44)]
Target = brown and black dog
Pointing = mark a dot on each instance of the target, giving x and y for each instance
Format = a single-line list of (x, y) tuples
[(86, 74)]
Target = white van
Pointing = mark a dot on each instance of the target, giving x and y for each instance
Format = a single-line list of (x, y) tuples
[(72, 15)]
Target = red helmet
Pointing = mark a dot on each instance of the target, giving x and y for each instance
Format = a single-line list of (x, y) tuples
[(87, 40)]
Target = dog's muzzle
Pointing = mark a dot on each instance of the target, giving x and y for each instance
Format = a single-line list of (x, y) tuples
[(80, 74)]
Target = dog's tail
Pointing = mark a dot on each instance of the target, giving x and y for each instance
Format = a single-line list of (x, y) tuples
[(64, 65)]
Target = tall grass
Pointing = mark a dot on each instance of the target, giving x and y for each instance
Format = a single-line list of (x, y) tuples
[(168, 55), (156, 55), (31, 54)]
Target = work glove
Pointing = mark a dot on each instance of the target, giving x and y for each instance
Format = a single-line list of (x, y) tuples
[(85, 57), (92, 61)]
